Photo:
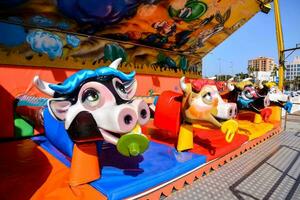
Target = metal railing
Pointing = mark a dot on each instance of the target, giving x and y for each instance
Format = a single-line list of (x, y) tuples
[(286, 116)]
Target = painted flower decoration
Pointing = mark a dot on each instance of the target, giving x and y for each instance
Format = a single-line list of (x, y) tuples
[(192, 10), (73, 40), (41, 21), (100, 13), (45, 42), (15, 19), (63, 25)]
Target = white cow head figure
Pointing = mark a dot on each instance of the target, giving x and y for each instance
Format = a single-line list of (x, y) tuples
[(97, 104)]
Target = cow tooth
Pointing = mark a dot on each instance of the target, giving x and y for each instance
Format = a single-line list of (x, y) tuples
[(109, 137)]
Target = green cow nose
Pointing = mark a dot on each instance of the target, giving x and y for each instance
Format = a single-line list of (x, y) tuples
[(134, 149), (132, 144)]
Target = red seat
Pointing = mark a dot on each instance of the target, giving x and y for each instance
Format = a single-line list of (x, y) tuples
[(167, 112)]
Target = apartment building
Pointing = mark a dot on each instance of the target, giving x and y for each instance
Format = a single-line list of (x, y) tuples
[(292, 69)]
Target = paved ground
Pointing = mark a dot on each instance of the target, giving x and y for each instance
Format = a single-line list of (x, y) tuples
[(294, 117), (269, 171)]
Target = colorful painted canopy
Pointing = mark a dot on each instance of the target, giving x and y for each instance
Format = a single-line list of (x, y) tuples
[(173, 34)]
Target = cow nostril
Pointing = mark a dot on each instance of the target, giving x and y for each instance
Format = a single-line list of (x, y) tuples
[(267, 102), (128, 119), (143, 113), (230, 112)]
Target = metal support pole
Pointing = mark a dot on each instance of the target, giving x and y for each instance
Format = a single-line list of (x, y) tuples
[(280, 44), (285, 120)]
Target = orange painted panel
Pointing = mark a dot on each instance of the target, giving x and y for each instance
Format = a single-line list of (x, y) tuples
[(29, 172), (18, 80)]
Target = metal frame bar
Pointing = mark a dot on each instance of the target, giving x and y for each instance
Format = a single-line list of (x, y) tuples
[(291, 49), (286, 116)]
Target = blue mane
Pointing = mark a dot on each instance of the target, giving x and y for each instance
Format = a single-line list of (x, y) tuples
[(243, 103), (71, 83)]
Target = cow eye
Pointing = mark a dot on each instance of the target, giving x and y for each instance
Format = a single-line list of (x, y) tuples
[(272, 91), (91, 97), (120, 87), (248, 94), (207, 98)]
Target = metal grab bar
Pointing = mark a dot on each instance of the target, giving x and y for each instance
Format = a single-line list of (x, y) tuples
[(286, 116)]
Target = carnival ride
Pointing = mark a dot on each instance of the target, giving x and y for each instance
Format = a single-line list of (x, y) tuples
[(88, 134)]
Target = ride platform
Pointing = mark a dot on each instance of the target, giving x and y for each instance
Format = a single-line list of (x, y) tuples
[(37, 162), (267, 171)]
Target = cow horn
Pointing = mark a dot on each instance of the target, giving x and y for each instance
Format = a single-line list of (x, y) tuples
[(230, 86), (43, 86), (115, 63), (246, 79), (260, 85), (212, 78), (182, 84)]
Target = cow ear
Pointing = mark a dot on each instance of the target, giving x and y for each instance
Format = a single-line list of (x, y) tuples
[(58, 108)]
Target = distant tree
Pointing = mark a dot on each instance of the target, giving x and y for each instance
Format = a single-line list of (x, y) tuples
[(240, 76), (290, 84), (296, 83), (223, 77), (274, 72), (251, 70), (287, 84)]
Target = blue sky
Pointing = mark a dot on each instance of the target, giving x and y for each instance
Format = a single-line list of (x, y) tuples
[(256, 38)]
